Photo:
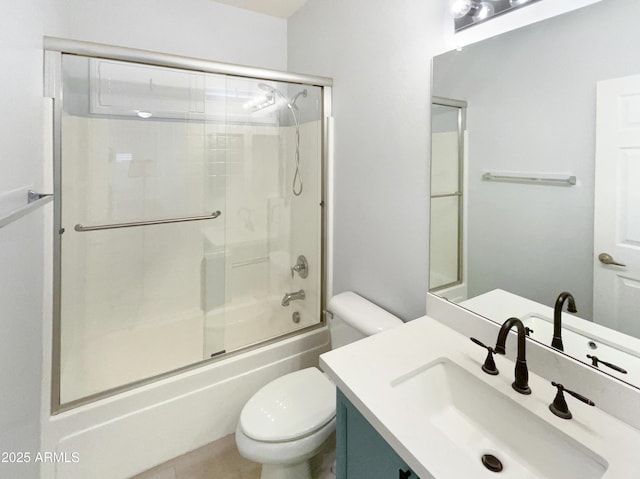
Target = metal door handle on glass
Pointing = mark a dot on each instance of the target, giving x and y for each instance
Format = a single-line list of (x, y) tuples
[(81, 228)]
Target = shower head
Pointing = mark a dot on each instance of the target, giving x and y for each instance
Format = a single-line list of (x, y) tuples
[(302, 93), (267, 88), (274, 91), (291, 105)]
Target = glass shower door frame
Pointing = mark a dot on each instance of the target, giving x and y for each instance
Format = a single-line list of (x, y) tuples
[(53, 88), (460, 193)]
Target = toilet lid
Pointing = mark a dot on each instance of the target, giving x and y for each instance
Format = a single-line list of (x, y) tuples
[(290, 407)]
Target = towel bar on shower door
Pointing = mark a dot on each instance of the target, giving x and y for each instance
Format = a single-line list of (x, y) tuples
[(82, 228)]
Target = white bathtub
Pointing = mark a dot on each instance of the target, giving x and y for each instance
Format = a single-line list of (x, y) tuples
[(120, 436)]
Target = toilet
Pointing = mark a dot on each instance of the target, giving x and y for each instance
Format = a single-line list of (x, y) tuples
[(288, 421)]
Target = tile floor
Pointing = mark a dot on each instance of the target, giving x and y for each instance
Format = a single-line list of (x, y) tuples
[(217, 460), (221, 460)]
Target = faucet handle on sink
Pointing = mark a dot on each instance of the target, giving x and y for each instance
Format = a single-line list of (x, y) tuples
[(489, 365), (559, 405), (595, 361)]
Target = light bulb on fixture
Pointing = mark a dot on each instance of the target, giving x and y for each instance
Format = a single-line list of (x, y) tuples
[(467, 13), (483, 10), (460, 8)]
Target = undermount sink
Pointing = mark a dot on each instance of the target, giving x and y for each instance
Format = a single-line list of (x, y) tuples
[(476, 419)]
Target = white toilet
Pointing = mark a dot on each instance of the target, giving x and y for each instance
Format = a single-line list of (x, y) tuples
[(287, 422)]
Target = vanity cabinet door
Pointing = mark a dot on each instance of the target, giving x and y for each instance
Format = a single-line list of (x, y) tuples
[(361, 452)]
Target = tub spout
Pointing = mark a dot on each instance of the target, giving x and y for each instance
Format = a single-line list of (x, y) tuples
[(288, 297)]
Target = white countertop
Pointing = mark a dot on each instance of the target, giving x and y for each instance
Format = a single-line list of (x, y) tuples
[(364, 370)]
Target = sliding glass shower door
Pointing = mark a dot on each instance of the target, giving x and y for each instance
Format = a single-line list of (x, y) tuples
[(180, 219), (446, 242)]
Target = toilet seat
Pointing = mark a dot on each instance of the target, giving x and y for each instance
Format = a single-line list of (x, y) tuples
[(290, 407)]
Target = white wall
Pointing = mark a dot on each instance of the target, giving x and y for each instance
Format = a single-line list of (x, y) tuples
[(21, 243), (378, 54), (194, 28)]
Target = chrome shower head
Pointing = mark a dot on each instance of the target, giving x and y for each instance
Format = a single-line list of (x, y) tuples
[(267, 88), (302, 93), (274, 91), (291, 105)]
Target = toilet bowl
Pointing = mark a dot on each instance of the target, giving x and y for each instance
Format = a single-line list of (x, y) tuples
[(289, 420)]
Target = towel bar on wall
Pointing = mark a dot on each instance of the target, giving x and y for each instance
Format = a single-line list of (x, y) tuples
[(82, 228), (531, 178), (34, 201)]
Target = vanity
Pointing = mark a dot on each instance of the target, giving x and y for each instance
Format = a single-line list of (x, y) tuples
[(361, 450), (413, 402)]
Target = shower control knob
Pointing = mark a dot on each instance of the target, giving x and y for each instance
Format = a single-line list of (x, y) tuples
[(301, 267)]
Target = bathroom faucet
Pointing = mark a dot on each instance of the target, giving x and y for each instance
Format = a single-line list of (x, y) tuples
[(288, 297), (521, 383), (556, 342)]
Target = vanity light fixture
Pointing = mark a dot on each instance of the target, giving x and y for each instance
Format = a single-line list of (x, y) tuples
[(470, 12), (460, 8)]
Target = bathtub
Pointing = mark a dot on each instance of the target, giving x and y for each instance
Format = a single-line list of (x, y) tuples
[(123, 435)]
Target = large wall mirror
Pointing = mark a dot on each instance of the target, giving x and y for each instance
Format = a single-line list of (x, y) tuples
[(550, 180)]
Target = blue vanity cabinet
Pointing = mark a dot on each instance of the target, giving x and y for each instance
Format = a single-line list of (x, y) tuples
[(361, 452)]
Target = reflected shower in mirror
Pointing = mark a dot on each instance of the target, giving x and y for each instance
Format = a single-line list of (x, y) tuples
[(446, 241), (553, 179)]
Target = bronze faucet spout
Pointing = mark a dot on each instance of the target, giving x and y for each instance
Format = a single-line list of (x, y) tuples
[(556, 342), (521, 383)]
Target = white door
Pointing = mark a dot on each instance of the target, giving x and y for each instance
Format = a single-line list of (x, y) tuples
[(616, 288)]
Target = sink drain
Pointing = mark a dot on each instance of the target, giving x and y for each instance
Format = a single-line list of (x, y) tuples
[(492, 463)]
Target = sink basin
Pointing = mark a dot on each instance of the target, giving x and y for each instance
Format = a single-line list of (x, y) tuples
[(476, 419)]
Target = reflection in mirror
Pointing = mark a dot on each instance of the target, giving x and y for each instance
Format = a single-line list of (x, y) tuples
[(446, 240), (555, 107)]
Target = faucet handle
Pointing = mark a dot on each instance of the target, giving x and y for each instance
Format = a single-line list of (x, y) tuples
[(559, 405), (595, 360), (489, 365)]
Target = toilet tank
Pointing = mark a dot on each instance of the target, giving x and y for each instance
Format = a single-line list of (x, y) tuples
[(355, 318)]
